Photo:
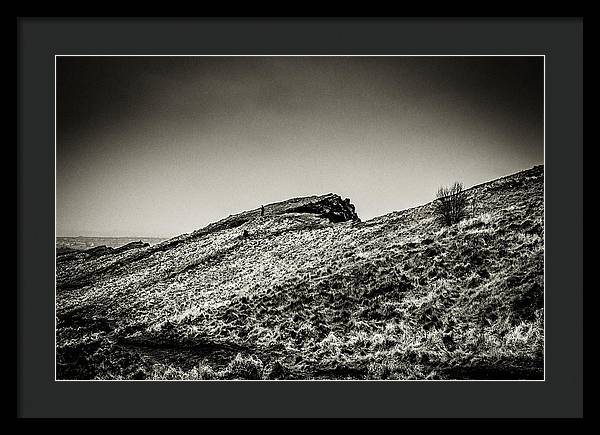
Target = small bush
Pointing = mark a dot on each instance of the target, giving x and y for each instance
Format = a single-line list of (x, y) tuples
[(451, 204)]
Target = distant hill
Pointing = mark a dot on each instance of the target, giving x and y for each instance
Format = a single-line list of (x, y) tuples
[(308, 291), (66, 244)]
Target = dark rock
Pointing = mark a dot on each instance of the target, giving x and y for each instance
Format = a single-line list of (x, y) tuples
[(527, 300), (277, 370), (139, 375), (514, 281), (62, 250), (474, 282), (483, 273), (99, 251), (448, 341), (331, 207), (474, 256), (132, 245), (432, 251), (430, 318)]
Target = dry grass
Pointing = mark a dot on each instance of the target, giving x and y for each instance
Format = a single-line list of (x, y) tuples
[(397, 297)]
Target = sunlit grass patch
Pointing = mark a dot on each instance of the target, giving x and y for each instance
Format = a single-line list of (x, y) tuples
[(168, 372)]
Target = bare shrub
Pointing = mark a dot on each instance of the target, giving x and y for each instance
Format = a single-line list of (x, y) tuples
[(451, 204)]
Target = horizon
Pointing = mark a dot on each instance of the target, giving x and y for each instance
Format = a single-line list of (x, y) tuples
[(139, 138), (323, 194)]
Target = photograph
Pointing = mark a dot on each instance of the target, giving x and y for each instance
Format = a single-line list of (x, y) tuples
[(299, 218)]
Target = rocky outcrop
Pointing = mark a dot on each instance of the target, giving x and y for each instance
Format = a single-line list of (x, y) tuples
[(133, 245), (331, 207), (99, 251)]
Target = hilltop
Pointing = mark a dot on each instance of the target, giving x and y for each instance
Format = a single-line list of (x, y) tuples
[(309, 291)]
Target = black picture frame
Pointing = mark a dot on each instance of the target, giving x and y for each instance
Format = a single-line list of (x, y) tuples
[(559, 40)]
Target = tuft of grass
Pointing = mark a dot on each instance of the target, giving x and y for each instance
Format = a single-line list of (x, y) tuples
[(169, 372), (244, 367)]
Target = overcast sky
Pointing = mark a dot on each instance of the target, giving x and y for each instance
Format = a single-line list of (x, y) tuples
[(159, 146)]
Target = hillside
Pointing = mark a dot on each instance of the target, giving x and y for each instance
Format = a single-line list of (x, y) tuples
[(311, 292)]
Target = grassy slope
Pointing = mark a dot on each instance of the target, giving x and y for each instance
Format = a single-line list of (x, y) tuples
[(396, 297)]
